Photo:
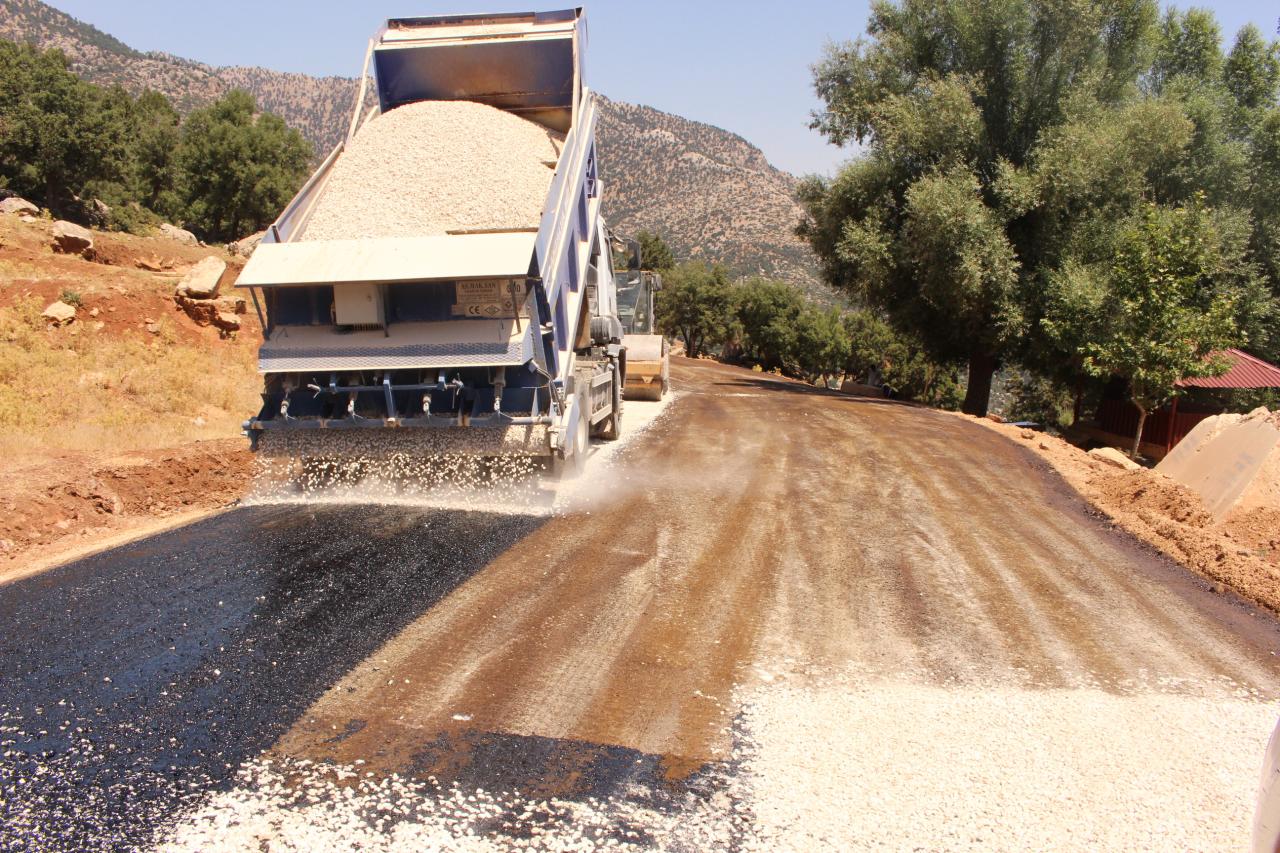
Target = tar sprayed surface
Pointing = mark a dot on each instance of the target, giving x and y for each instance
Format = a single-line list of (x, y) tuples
[(136, 680), (782, 619)]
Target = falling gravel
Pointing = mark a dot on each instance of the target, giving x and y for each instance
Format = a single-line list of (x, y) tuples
[(434, 167)]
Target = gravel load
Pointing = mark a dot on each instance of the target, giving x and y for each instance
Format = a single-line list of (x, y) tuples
[(438, 166)]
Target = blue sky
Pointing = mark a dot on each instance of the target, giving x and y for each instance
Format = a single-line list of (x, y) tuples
[(743, 66)]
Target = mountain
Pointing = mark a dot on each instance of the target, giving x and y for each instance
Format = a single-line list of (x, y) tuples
[(709, 192)]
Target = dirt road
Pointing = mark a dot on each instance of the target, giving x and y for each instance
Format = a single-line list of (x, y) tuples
[(793, 619)]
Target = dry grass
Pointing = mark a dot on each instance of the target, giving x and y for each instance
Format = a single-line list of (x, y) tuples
[(72, 388)]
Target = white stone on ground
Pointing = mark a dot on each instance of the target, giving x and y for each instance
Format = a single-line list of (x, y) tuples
[(843, 764), (437, 166)]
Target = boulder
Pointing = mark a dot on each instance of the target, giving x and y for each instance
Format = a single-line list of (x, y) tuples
[(202, 311), (19, 206), (179, 235), (233, 305), (59, 313), (245, 246), (1113, 457), (97, 212), (201, 282), (71, 239), (227, 322)]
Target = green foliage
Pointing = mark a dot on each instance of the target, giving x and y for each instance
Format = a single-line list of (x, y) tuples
[(1007, 145), (655, 254), (57, 133), (696, 304), (1252, 72), (71, 297), (1041, 400), (767, 315), (951, 98), (65, 143), (900, 361), (1189, 45), (1154, 308), (241, 168)]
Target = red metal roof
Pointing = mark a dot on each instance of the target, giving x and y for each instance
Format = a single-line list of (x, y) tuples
[(1246, 372)]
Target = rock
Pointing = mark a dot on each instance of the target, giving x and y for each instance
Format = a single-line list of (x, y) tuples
[(154, 264), (233, 304), (153, 328), (60, 313), (179, 235), (27, 217), (201, 282), (99, 326), (97, 213), (245, 246), (19, 206), (1028, 434), (1111, 456), (995, 418), (226, 322), (202, 311), (71, 239), (93, 312)]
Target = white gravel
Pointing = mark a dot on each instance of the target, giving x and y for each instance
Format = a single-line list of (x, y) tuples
[(437, 166), (840, 764)]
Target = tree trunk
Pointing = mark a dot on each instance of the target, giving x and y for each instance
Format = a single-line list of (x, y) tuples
[(1137, 439), (977, 397)]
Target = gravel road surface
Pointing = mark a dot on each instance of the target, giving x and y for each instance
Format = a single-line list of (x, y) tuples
[(792, 620)]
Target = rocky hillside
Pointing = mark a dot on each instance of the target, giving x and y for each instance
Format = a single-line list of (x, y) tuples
[(709, 192)]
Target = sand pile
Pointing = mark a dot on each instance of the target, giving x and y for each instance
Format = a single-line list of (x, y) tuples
[(1238, 547), (434, 167), (1231, 461)]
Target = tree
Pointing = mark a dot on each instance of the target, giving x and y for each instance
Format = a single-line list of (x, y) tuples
[(1189, 45), (1153, 311), (655, 254), (157, 172), (57, 133), (695, 303), (950, 97), (821, 344), (240, 167), (1252, 72), (767, 313)]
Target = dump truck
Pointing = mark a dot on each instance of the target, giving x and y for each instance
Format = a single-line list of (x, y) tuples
[(648, 356), (449, 333)]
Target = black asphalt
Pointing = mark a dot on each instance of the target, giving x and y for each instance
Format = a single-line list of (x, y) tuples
[(136, 680)]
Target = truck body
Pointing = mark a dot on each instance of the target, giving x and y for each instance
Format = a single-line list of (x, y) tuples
[(489, 342)]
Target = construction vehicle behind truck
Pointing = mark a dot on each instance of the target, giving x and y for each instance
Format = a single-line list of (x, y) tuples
[(648, 354), (479, 317)]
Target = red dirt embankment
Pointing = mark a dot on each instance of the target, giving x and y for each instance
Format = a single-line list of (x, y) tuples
[(1241, 552), (62, 506), (124, 418)]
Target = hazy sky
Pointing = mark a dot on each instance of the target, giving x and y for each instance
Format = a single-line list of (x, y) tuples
[(743, 66)]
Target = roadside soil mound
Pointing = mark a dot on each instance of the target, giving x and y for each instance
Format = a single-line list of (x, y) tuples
[(1241, 552), (1231, 461), (117, 410), (71, 502)]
